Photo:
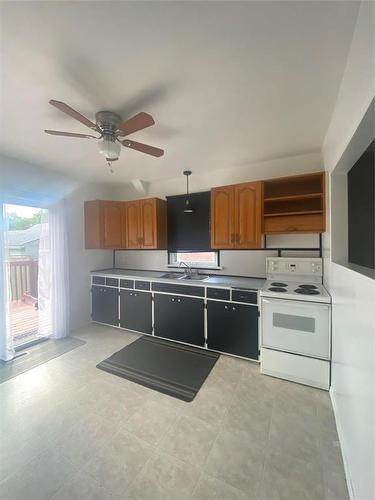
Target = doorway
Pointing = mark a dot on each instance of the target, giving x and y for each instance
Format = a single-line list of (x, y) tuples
[(24, 227)]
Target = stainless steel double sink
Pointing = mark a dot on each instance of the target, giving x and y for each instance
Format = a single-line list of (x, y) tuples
[(187, 277)]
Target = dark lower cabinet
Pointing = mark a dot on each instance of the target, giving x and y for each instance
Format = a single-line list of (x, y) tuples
[(179, 318), (232, 328), (104, 305), (135, 311)]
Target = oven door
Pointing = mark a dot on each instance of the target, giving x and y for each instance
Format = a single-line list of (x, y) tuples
[(296, 326)]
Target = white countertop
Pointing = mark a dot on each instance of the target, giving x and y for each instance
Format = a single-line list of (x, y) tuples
[(213, 280)]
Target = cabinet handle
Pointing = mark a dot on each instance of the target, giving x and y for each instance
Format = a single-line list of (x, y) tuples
[(178, 300), (232, 238), (172, 300), (225, 307), (233, 308)]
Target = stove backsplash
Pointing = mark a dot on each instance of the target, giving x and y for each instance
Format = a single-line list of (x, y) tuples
[(232, 262)]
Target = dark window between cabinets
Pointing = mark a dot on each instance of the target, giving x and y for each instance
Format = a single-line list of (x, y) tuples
[(361, 210), (189, 232)]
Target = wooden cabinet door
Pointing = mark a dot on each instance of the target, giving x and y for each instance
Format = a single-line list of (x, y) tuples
[(132, 233), (248, 215), (112, 224), (148, 223), (222, 217)]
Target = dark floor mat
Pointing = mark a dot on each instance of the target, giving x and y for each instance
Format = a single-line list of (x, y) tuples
[(174, 369), (36, 355)]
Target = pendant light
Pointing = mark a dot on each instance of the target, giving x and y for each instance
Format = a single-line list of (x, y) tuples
[(187, 209)]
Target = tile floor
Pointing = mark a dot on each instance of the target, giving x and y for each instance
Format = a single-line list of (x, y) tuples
[(73, 432)]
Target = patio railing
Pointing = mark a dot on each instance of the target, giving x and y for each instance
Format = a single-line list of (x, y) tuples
[(23, 277)]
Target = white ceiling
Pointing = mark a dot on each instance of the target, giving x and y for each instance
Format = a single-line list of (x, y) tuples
[(227, 83)]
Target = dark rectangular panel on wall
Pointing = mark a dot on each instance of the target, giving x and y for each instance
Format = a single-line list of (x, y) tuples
[(361, 210), (189, 231)]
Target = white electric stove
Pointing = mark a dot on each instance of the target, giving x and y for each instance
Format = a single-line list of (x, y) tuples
[(296, 321)]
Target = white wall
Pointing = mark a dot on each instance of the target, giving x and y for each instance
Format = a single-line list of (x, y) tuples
[(353, 294), (82, 261), (201, 180), (29, 184), (233, 262)]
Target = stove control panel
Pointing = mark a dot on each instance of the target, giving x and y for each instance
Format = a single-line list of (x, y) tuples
[(299, 266)]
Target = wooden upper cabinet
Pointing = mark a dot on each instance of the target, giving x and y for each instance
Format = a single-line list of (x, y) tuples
[(248, 215), (132, 237), (222, 217), (104, 224), (112, 213), (236, 216), (139, 224), (146, 224)]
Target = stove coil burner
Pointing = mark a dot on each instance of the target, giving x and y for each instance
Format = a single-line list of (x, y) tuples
[(308, 287), (276, 283), (307, 291), (276, 289)]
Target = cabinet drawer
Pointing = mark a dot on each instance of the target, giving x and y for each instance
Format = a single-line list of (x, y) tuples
[(218, 293), (294, 223), (246, 296), (198, 291), (142, 285), (126, 283), (98, 280), (111, 281)]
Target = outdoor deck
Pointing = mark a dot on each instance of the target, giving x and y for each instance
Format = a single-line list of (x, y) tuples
[(23, 321)]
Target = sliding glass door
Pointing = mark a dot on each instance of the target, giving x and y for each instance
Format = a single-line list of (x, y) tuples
[(25, 237)]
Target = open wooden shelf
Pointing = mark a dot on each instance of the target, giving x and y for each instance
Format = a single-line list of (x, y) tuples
[(294, 197), (279, 214), (294, 204)]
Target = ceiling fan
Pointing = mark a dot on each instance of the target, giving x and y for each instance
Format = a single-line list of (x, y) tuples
[(111, 128)]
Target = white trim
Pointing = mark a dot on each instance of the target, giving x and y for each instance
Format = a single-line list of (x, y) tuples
[(340, 433)]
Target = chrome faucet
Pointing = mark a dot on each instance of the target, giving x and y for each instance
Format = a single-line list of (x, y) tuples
[(189, 270)]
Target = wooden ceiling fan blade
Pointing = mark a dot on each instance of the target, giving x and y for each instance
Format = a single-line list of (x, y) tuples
[(73, 113), (138, 122), (70, 134), (143, 148)]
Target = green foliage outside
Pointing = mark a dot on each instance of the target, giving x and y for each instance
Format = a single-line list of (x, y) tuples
[(18, 223)]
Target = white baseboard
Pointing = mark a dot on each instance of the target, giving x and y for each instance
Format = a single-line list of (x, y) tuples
[(340, 433)]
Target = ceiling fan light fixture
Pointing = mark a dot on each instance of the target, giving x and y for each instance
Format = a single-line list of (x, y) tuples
[(109, 147)]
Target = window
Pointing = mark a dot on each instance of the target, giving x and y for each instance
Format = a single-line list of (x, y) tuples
[(195, 259), (361, 204)]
